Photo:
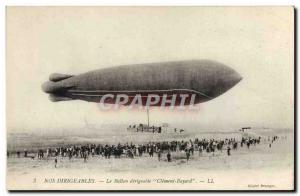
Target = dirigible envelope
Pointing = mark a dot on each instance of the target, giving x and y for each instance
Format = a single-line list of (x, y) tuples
[(204, 78)]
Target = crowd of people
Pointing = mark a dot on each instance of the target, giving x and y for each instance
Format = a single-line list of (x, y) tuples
[(189, 147)]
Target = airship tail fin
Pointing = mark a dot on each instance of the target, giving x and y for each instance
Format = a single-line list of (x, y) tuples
[(56, 98), (53, 87), (55, 77)]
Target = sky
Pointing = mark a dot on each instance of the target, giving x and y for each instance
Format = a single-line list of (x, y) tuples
[(257, 42)]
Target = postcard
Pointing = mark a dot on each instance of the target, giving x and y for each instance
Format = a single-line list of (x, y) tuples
[(150, 98)]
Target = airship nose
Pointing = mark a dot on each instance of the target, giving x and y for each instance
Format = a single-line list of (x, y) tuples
[(226, 81), (232, 79), (220, 79)]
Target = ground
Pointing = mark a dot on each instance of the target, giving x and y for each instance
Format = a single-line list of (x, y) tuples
[(245, 169)]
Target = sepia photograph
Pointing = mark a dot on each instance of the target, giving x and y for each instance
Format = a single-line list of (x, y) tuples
[(150, 98)]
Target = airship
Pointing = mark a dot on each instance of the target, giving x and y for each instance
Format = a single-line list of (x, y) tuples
[(200, 80)]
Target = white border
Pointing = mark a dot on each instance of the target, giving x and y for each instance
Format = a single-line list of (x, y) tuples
[(152, 2), (5, 3)]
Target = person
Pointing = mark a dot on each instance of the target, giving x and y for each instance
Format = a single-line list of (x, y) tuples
[(55, 162), (200, 150), (228, 151), (192, 150), (169, 156), (187, 155), (70, 155), (85, 156), (140, 150), (235, 145), (159, 154), (212, 149), (151, 151)]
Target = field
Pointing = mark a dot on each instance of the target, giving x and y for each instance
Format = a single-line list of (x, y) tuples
[(245, 167)]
